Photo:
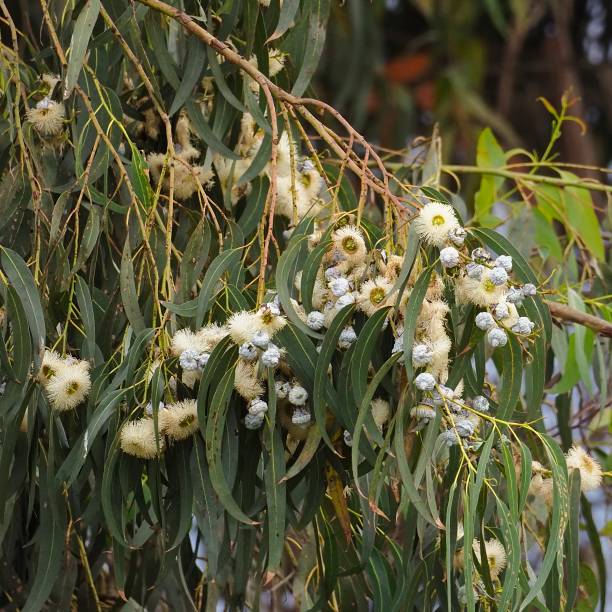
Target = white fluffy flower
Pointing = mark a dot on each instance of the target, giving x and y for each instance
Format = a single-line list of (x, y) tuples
[(496, 556), (347, 337), (137, 438), (181, 419), (348, 439), (70, 386), (339, 286), (47, 117), (380, 412), (315, 320), (484, 321), (481, 292), (434, 223), (242, 326), (345, 300), (257, 406), (348, 241), (186, 340), (590, 470), (422, 354), (298, 396), (210, 335), (51, 365), (497, 337), (270, 358), (374, 295), (505, 262), (270, 319), (246, 382), (524, 325), (425, 382), (449, 257), (276, 60)]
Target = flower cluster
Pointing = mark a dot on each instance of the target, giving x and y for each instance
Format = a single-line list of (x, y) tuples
[(177, 421), (576, 458), (65, 380)]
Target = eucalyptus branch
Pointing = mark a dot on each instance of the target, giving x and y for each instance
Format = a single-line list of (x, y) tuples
[(567, 313)]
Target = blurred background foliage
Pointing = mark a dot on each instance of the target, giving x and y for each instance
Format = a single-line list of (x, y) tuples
[(510, 86)]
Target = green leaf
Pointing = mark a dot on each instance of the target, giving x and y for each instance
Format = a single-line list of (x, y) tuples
[(221, 83), (204, 131), (581, 216), (364, 410), (362, 353), (309, 273), (285, 277), (129, 296), (22, 345), (285, 19), (51, 540), (488, 155), (318, 13), (256, 201), (215, 426), (328, 348), (311, 444), (75, 460), (557, 521), (87, 316), (194, 65), (413, 308), (572, 543), (274, 473), (21, 279), (512, 542), (89, 239), (80, 40), (222, 263), (512, 376)]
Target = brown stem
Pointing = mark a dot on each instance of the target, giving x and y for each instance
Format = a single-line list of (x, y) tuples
[(566, 313)]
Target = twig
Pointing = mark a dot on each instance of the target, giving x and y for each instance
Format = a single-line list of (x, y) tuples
[(567, 313)]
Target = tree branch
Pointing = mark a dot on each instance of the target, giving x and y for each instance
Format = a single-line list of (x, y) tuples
[(566, 313)]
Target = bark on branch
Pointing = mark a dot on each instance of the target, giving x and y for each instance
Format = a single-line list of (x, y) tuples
[(566, 313)]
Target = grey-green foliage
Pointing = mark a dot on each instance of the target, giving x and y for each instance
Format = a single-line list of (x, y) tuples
[(103, 261)]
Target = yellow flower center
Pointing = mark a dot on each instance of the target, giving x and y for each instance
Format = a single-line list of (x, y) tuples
[(438, 220), (72, 387), (349, 244), (377, 295), (186, 421), (48, 371), (266, 317), (488, 286)]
